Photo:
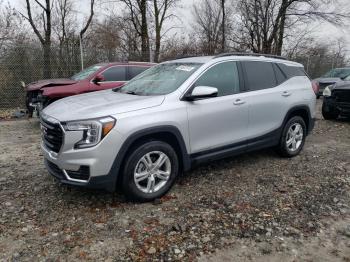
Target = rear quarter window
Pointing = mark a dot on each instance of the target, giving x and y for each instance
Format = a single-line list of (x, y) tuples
[(292, 71)]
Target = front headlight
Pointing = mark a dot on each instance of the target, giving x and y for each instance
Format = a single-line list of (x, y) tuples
[(93, 130), (327, 91)]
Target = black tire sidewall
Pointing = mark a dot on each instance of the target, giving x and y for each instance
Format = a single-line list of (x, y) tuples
[(284, 151), (128, 184)]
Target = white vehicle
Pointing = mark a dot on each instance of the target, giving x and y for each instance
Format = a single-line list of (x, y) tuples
[(174, 116)]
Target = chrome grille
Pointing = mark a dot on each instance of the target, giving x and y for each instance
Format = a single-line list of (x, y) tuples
[(52, 135)]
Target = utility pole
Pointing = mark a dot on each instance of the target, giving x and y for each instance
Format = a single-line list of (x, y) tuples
[(81, 52)]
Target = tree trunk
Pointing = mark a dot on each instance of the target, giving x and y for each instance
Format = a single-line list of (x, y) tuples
[(279, 43), (144, 32), (47, 59), (223, 24)]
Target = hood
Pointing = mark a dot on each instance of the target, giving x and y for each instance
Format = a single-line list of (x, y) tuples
[(328, 80), (345, 85), (99, 104), (50, 83)]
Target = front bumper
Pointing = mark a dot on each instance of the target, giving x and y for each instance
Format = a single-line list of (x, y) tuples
[(90, 167), (106, 182), (35, 101), (332, 105)]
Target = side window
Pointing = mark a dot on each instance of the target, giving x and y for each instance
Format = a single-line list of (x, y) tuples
[(116, 73), (291, 71), (136, 70), (260, 75), (223, 76), (280, 76)]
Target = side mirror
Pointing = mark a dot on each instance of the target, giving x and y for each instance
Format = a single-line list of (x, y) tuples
[(200, 92), (98, 79)]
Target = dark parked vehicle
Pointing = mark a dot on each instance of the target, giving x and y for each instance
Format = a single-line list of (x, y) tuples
[(94, 78), (333, 76), (336, 100)]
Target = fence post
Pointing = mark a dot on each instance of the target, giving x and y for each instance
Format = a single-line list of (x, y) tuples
[(81, 52)]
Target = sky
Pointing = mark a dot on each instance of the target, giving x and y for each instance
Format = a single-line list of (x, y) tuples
[(323, 31)]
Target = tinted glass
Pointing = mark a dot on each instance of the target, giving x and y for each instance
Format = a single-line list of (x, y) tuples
[(116, 73), (338, 72), (260, 75), (223, 76), (280, 76), (86, 72), (291, 71), (136, 70), (161, 79)]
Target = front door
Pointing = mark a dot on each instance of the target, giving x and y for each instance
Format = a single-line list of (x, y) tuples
[(114, 76), (222, 120)]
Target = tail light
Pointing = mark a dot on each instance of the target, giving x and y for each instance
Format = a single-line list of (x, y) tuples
[(315, 87)]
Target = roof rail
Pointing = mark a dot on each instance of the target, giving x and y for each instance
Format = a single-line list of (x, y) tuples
[(185, 56), (140, 62), (250, 54)]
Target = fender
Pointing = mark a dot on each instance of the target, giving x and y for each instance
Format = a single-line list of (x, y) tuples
[(291, 111), (115, 170)]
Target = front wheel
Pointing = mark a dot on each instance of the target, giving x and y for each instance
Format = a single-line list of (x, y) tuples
[(150, 171), (293, 137)]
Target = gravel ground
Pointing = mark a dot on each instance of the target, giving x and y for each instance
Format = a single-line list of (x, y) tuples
[(256, 206)]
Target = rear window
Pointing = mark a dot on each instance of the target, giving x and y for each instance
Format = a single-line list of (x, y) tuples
[(260, 75)]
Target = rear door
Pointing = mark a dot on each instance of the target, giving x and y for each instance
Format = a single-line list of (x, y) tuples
[(268, 97), (114, 76)]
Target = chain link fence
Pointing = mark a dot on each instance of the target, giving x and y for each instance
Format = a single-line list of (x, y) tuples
[(25, 65)]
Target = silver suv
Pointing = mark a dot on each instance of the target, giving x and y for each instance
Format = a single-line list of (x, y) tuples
[(174, 116)]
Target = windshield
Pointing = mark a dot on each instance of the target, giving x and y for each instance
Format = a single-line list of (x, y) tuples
[(338, 72), (86, 72), (160, 80)]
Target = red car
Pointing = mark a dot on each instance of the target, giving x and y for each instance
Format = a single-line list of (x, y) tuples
[(94, 78)]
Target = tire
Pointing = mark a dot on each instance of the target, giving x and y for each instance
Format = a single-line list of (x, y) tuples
[(135, 168), (292, 149), (328, 113)]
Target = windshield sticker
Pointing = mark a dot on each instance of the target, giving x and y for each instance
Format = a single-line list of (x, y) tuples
[(185, 68)]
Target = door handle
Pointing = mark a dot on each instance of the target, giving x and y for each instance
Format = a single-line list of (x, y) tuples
[(286, 94), (238, 102)]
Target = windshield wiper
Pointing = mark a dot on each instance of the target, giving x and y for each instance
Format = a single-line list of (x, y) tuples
[(117, 89), (131, 93)]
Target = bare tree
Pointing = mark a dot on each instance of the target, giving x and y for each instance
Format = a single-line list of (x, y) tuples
[(89, 20), (161, 10), (69, 38), (44, 36), (9, 25), (223, 25), (208, 25), (138, 18), (264, 22)]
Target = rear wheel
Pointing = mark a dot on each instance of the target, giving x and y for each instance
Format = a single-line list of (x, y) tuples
[(150, 171), (293, 137)]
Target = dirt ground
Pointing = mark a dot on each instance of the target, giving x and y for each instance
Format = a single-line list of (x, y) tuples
[(255, 207)]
